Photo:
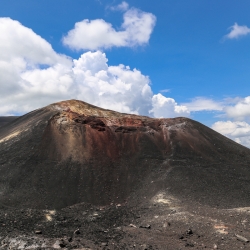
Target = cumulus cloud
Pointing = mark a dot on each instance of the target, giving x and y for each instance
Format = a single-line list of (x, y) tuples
[(239, 111), (114, 87), (21, 42), (203, 104), (167, 107), (97, 34), (21, 50), (34, 75), (237, 131), (237, 31)]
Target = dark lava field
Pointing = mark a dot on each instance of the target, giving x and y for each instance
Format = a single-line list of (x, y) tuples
[(75, 176)]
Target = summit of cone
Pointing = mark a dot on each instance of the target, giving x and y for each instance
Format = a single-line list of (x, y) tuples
[(83, 108)]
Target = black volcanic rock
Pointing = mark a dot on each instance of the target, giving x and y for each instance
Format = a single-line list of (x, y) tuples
[(72, 152)]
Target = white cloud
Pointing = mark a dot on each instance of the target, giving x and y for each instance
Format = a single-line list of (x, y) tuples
[(20, 42), (25, 85), (237, 131), (21, 50), (203, 104), (167, 107), (122, 6), (237, 31), (114, 87), (239, 111), (97, 34), (165, 90)]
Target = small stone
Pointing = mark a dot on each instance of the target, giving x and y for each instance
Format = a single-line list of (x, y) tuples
[(215, 246), (181, 237), (189, 231), (62, 244), (104, 244), (77, 231), (132, 225), (241, 238), (38, 232), (166, 224), (189, 245), (147, 226)]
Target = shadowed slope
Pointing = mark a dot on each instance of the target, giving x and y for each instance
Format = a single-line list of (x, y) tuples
[(6, 119), (70, 152)]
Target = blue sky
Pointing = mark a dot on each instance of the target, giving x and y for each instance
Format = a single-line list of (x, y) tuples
[(191, 57)]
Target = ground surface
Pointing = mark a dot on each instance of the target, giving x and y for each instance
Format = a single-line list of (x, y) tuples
[(74, 176), (162, 223)]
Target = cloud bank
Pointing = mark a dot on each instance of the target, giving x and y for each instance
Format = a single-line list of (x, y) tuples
[(97, 34), (239, 111), (203, 104), (237, 131)]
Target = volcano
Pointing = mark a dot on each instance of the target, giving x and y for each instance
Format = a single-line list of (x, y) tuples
[(71, 158), (71, 152)]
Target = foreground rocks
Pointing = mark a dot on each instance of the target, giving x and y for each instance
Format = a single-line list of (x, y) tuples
[(84, 226)]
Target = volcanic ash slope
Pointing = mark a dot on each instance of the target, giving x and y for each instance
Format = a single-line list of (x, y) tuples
[(72, 152)]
